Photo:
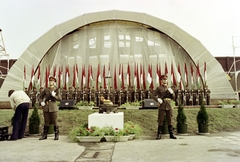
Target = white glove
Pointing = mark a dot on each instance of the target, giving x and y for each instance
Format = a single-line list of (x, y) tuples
[(43, 103), (170, 90), (160, 100), (53, 93)]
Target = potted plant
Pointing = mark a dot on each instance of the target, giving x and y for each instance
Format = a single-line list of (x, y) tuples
[(131, 105), (85, 134), (226, 103), (181, 120), (34, 121), (121, 135), (134, 129), (108, 133), (202, 120), (236, 103)]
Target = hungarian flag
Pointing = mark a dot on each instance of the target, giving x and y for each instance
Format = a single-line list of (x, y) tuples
[(24, 77), (99, 80), (74, 76), (205, 73), (198, 75), (128, 76), (138, 81), (192, 71), (179, 80), (39, 78), (157, 75), (166, 69), (67, 76), (90, 77), (141, 75), (173, 78), (32, 79), (144, 80), (186, 75), (122, 78), (120, 75), (60, 77), (83, 81), (135, 77), (47, 74), (54, 71), (149, 77), (115, 78), (104, 78)]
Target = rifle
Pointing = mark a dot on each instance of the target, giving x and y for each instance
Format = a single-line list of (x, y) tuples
[(49, 97)]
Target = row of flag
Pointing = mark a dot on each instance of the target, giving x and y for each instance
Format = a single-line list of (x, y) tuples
[(138, 79)]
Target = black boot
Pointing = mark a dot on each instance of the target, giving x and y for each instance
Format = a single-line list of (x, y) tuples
[(45, 131), (170, 130), (56, 130), (159, 132)]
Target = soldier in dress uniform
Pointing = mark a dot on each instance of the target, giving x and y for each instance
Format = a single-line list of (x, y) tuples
[(112, 95), (187, 95), (122, 97), (175, 90), (34, 96), (70, 93), (207, 95), (163, 95), (150, 92), (49, 97), (194, 95), (86, 94), (93, 95), (200, 95), (64, 94)]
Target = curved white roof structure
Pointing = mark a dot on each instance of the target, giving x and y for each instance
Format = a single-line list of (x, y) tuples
[(155, 40)]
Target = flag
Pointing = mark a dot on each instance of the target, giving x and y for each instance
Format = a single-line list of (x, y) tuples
[(115, 79), (83, 81), (205, 73), (32, 79), (128, 76), (47, 75), (39, 78), (122, 78), (98, 82), (104, 78), (138, 81), (74, 76), (90, 77), (60, 77), (157, 75), (179, 80), (198, 75), (108, 76), (186, 75), (54, 71), (141, 75), (67, 75), (166, 69), (135, 77), (120, 75), (144, 80), (149, 78), (151, 85), (173, 79), (192, 71), (24, 77)]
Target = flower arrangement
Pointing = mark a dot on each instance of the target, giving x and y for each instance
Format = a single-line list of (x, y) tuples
[(136, 103), (133, 128), (83, 130)]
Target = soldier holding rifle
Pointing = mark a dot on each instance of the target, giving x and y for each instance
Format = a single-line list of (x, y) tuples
[(163, 95)]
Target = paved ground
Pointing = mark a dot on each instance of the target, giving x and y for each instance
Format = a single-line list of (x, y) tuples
[(219, 147)]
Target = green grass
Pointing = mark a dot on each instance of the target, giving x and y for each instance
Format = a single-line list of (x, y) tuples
[(220, 120)]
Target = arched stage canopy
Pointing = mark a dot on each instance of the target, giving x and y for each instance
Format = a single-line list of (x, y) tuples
[(116, 42)]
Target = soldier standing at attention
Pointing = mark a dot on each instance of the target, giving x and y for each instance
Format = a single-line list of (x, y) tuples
[(163, 95), (49, 97)]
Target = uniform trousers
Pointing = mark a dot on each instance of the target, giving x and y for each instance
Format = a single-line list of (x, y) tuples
[(161, 113), (50, 117)]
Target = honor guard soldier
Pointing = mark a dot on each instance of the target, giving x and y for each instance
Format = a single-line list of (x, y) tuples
[(163, 95), (70, 93), (207, 95), (194, 96), (187, 95), (93, 95), (64, 94), (85, 94), (112, 95), (34, 96)]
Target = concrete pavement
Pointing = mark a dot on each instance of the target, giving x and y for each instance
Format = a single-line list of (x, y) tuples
[(219, 147)]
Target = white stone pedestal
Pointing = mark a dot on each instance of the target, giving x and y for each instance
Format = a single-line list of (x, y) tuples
[(116, 120)]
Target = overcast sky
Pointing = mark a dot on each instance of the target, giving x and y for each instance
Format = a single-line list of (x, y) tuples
[(213, 22)]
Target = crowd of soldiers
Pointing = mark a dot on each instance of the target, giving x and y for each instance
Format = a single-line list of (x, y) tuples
[(187, 97)]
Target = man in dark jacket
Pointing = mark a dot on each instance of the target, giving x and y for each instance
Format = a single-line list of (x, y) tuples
[(163, 95)]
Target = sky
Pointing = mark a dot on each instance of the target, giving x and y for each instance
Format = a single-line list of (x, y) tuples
[(215, 23)]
